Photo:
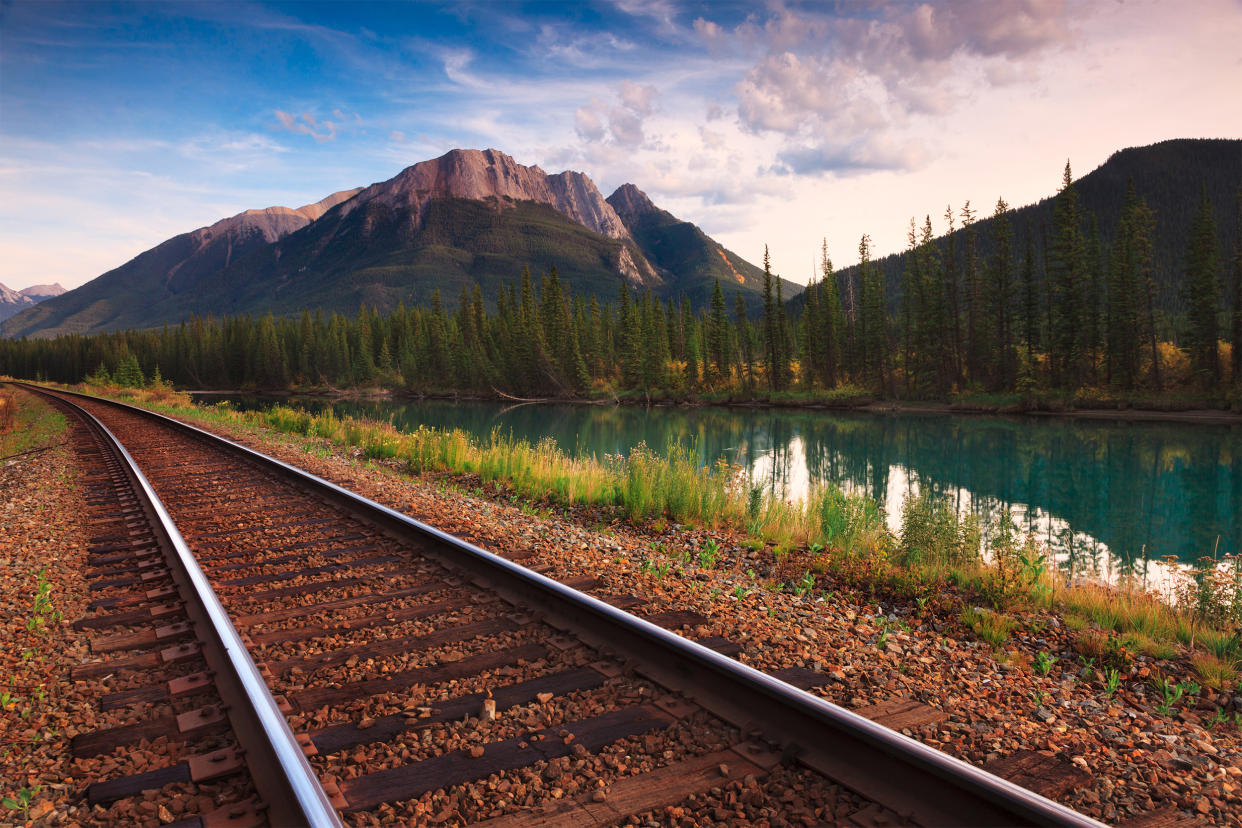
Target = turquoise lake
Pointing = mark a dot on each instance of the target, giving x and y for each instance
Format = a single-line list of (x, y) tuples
[(1107, 497)]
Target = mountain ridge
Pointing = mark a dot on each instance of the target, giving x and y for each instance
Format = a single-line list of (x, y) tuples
[(13, 302), (470, 217)]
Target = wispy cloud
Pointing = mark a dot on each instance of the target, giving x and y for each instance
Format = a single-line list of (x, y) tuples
[(321, 130)]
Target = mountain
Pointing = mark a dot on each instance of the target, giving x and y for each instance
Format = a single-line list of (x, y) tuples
[(467, 218), (13, 302), (687, 259), (123, 297), (41, 292), (1167, 175)]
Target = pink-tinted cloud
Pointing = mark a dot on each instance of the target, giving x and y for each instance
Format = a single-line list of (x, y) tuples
[(842, 87)]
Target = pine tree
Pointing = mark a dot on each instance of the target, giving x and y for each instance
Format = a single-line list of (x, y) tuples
[(782, 342), (1131, 294), (630, 325), (129, 374), (976, 312), (832, 319), (953, 296), (872, 320), (269, 360), (769, 324), (912, 311), (1095, 298), (1000, 298), (717, 335), (876, 312), (1030, 294), (808, 340), (1201, 292), (745, 349), (1065, 278), (364, 362), (1237, 297), (441, 368)]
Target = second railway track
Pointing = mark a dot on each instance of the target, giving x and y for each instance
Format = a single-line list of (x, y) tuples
[(421, 680)]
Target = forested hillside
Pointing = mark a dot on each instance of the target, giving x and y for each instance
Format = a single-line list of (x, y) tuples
[(1166, 175)]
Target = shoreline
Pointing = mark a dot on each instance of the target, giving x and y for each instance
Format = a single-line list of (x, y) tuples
[(1198, 416)]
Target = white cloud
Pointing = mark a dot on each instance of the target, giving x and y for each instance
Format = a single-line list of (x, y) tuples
[(601, 124), (638, 98)]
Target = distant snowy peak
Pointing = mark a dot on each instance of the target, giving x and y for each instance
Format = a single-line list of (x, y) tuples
[(490, 174), (12, 302), (41, 292)]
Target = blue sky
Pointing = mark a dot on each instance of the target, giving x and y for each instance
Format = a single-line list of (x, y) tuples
[(122, 125)]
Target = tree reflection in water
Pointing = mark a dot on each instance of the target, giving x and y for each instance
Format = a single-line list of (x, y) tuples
[(1107, 498)]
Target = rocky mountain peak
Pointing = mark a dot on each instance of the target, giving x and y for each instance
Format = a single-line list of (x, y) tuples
[(490, 174), (13, 302), (629, 203)]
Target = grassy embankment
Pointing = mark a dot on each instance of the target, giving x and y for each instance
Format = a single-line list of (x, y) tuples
[(28, 426), (827, 532)]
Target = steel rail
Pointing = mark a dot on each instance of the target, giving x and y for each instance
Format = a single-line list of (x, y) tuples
[(283, 778), (924, 786)]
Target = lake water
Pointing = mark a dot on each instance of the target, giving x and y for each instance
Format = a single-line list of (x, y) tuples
[(1107, 497)]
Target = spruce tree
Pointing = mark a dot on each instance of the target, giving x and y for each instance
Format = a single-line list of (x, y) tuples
[(769, 324), (1201, 292), (1066, 278), (976, 312), (717, 334), (783, 368), (808, 340), (832, 319), (1000, 298), (364, 363), (1237, 296), (745, 349), (1131, 295), (1030, 294), (1093, 322), (952, 292)]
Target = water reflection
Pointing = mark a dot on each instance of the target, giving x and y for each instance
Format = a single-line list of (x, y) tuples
[(1106, 497)]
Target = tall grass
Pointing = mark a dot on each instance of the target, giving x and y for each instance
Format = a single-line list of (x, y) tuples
[(644, 484), (936, 541), (8, 411)]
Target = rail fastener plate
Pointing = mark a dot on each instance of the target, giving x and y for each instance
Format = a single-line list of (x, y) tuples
[(193, 683), (218, 763), (758, 753), (248, 814), (209, 716), (182, 652)]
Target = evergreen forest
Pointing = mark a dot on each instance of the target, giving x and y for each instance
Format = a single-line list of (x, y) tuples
[(973, 312)]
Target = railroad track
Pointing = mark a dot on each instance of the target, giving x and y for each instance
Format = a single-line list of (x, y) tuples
[(339, 662)]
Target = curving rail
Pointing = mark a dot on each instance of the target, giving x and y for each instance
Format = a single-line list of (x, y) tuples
[(919, 785)]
